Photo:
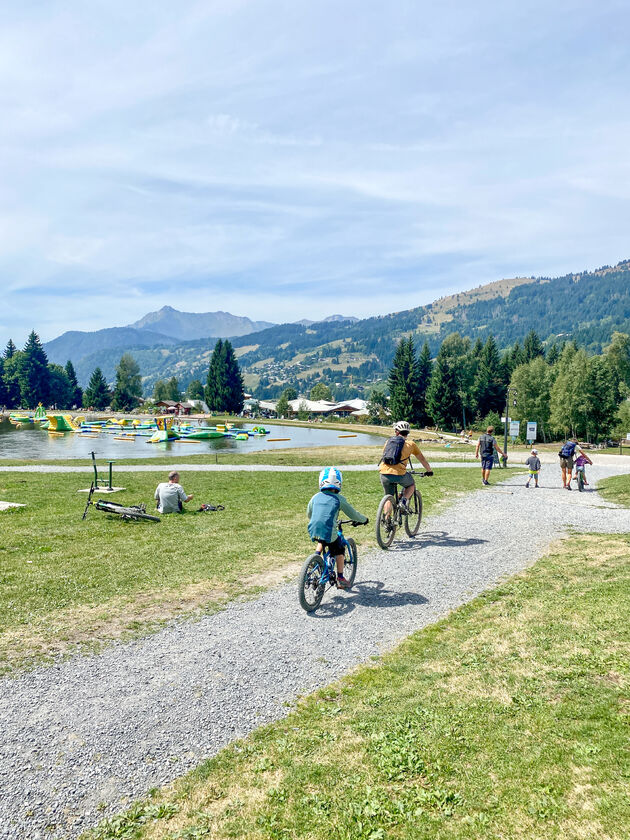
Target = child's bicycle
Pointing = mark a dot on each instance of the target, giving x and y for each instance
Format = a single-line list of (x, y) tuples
[(580, 477), (320, 570), (132, 512), (390, 515)]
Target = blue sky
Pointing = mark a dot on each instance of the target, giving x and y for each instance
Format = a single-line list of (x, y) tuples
[(293, 159)]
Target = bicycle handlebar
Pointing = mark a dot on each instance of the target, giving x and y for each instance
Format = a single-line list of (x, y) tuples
[(350, 522)]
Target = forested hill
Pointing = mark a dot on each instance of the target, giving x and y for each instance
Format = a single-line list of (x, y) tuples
[(587, 307)]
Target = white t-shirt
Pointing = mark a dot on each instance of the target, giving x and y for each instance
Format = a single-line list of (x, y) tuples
[(170, 497)]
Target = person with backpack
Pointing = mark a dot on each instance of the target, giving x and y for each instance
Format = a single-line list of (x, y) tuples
[(486, 446), (567, 455), (393, 464)]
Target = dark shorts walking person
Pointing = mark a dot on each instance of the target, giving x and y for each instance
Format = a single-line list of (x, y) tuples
[(486, 446)]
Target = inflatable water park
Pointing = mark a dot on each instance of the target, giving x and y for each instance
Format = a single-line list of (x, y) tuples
[(157, 430)]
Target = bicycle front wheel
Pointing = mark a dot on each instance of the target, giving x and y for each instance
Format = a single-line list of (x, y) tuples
[(386, 522), (580, 481), (414, 517), (350, 561), (310, 584), (141, 515)]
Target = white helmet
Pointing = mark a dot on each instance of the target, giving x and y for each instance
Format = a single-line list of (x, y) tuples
[(330, 478), (401, 426)]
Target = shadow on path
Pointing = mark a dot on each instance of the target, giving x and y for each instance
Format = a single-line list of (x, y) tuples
[(366, 593), (440, 539)]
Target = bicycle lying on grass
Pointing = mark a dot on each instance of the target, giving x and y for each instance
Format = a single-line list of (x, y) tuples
[(390, 515), (132, 512), (320, 570)]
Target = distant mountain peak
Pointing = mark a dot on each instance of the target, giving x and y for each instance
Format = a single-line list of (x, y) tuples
[(188, 326)]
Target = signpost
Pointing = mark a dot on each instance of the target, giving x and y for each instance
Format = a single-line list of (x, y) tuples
[(515, 429), (532, 430)]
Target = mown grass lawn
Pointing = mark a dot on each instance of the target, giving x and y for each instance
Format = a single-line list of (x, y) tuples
[(616, 489), (505, 721), (65, 581)]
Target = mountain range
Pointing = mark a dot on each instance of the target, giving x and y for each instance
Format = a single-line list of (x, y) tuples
[(351, 353)]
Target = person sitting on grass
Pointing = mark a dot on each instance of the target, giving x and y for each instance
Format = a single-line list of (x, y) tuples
[(533, 464), (580, 463), (170, 495), (323, 511)]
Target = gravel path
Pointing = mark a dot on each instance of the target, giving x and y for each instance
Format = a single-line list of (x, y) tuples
[(83, 738)]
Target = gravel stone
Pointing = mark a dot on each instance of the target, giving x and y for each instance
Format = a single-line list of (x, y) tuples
[(106, 728)]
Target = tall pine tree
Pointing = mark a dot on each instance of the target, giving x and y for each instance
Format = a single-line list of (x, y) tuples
[(61, 389), (3, 387), (33, 373), (215, 396), (97, 395), (532, 346), (234, 380), (403, 383), (10, 349), (77, 395), (425, 367), (489, 387)]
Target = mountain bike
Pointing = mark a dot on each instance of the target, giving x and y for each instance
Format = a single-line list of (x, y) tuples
[(391, 516), (320, 570), (131, 512)]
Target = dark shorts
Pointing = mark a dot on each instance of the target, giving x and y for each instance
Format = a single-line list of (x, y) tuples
[(487, 463), (566, 463), (389, 482), (336, 547)]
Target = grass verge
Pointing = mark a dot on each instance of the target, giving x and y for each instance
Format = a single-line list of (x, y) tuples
[(616, 489), (68, 582), (507, 720)]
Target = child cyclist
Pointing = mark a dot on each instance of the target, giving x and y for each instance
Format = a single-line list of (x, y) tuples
[(580, 463), (323, 510), (533, 465)]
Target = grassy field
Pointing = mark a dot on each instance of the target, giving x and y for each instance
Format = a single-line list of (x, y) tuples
[(68, 582), (616, 489), (505, 721)]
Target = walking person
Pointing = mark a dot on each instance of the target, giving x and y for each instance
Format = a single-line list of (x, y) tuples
[(486, 446), (533, 465), (567, 455)]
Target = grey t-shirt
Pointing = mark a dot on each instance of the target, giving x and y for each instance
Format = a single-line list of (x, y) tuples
[(533, 462), (487, 444), (170, 496)]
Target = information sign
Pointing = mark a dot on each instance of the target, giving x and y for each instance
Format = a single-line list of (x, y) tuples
[(515, 428), (532, 429)]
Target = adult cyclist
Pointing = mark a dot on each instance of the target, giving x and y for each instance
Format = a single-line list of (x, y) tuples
[(393, 465)]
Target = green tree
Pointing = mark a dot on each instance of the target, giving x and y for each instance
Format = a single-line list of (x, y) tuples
[(77, 396), (567, 400), (532, 382), (377, 407), (128, 386), (290, 393), (282, 406), (10, 350), (97, 394), (160, 391), (172, 389), (489, 388), (532, 346), (3, 388), (449, 390), (61, 388), (33, 373), (403, 383), (302, 413), (618, 355), (11, 379), (599, 399), (553, 354), (195, 390), (224, 389), (621, 426), (321, 391), (424, 370)]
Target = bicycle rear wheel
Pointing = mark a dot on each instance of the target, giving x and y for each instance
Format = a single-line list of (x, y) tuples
[(310, 585), (414, 517), (580, 477), (350, 561), (386, 522), (141, 515)]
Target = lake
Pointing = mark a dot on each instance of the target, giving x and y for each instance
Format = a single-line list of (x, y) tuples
[(30, 442)]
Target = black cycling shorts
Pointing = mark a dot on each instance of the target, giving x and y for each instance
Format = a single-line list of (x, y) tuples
[(336, 547)]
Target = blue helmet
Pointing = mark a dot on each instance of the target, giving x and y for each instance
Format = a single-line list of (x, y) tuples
[(330, 478)]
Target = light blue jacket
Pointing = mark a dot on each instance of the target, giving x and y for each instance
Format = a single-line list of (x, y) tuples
[(323, 510)]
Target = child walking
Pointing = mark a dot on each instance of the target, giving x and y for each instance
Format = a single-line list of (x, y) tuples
[(533, 464)]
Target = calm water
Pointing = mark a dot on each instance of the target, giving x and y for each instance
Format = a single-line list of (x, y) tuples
[(32, 442)]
